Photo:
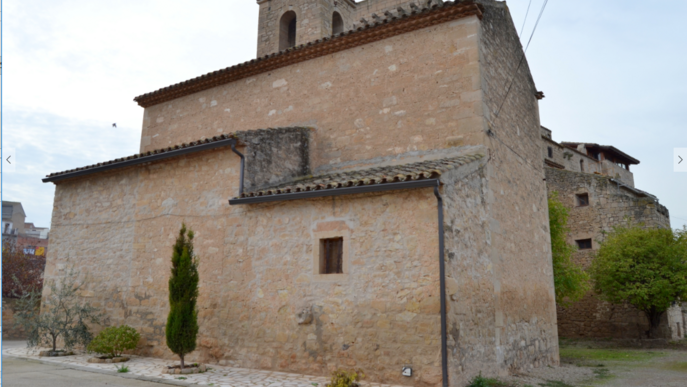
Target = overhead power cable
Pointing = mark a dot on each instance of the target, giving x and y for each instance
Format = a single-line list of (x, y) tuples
[(522, 58), (525, 21)]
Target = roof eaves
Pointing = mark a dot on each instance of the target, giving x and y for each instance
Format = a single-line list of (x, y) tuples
[(140, 158)]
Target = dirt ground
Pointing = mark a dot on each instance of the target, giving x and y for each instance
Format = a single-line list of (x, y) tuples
[(611, 364)]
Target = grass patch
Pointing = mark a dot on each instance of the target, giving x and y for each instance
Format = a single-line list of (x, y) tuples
[(122, 369), (608, 354), (677, 366), (481, 381)]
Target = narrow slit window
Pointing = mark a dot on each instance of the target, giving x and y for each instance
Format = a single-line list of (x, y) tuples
[(287, 31), (550, 152), (581, 165), (584, 244), (331, 256), (582, 200), (337, 24)]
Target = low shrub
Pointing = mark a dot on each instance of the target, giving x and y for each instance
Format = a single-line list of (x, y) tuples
[(122, 369), (113, 341), (343, 378)]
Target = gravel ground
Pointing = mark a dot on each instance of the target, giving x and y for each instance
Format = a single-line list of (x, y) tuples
[(567, 373), (666, 370)]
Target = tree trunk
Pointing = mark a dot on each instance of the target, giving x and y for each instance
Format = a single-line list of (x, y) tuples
[(654, 317), (182, 361)]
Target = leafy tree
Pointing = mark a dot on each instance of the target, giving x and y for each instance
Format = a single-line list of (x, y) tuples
[(112, 341), (27, 269), (182, 321), (645, 267), (63, 316), (570, 281)]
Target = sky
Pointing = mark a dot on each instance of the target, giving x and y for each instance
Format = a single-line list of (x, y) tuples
[(613, 73)]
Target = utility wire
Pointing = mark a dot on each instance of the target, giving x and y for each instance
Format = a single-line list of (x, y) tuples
[(524, 21), (522, 58)]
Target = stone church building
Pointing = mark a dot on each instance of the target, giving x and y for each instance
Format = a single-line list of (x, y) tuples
[(595, 183), (366, 193)]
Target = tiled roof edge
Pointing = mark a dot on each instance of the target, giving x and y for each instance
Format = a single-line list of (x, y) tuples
[(400, 177), (161, 153), (382, 29)]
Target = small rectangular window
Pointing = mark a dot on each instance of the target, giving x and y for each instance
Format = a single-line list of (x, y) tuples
[(331, 256), (550, 152), (584, 244), (582, 200)]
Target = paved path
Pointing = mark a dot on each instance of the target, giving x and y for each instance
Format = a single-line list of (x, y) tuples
[(23, 373), (150, 369)]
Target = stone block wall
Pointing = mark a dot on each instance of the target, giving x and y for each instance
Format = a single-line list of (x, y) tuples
[(256, 269), (518, 239), (314, 18), (569, 158), (409, 93), (609, 205)]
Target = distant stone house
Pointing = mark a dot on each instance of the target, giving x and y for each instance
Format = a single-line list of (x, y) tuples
[(356, 198), (595, 183)]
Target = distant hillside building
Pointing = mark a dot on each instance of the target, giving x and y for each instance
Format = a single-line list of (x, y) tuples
[(594, 181)]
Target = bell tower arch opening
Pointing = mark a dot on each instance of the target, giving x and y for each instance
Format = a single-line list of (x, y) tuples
[(337, 23), (287, 31)]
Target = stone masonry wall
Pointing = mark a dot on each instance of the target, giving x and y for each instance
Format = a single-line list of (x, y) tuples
[(411, 92), (256, 268), (609, 206), (518, 239), (314, 18), (569, 158)]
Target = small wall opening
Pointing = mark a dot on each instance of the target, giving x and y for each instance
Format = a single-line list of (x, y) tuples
[(584, 244), (287, 31), (581, 165), (331, 256), (582, 199), (337, 24)]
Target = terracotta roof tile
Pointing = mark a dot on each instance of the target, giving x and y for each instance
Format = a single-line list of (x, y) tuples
[(377, 175), (381, 28)]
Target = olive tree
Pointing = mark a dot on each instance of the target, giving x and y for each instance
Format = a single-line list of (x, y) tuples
[(61, 315)]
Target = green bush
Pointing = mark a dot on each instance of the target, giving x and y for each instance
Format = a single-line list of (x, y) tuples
[(343, 378), (112, 341)]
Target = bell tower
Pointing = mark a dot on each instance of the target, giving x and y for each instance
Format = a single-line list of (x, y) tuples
[(288, 23)]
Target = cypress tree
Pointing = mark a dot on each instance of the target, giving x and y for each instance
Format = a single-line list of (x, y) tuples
[(182, 321)]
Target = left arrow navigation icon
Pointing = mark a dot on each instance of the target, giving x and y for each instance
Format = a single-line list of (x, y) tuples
[(10, 157)]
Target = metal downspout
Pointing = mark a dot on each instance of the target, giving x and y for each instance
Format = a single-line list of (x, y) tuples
[(442, 287), (233, 148)]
